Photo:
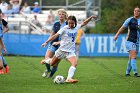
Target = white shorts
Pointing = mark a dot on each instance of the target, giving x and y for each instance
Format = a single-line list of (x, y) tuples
[(63, 54)]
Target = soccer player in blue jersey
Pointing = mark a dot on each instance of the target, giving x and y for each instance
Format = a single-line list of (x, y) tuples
[(132, 40), (62, 15), (3, 29)]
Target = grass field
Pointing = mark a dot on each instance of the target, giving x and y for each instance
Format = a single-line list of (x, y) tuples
[(95, 75)]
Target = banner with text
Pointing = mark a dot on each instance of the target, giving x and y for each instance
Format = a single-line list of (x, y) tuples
[(91, 45)]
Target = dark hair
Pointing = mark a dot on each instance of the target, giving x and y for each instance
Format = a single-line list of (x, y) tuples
[(74, 19)]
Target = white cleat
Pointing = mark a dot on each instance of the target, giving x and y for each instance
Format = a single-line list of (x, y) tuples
[(45, 74)]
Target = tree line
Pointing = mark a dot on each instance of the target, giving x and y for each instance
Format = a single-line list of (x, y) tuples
[(114, 13)]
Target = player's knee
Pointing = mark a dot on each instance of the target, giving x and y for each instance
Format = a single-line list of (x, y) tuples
[(133, 56)]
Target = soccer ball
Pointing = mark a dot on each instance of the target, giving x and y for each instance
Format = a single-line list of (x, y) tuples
[(59, 79)]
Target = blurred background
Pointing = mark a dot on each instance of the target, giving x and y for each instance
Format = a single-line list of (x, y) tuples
[(29, 28)]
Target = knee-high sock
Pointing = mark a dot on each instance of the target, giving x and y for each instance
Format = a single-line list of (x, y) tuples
[(48, 67), (129, 67), (71, 72), (53, 70), (4, 62), (47, 63), (133, 65)]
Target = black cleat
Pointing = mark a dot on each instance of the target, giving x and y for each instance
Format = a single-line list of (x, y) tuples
[(136, 75), (127, 75)]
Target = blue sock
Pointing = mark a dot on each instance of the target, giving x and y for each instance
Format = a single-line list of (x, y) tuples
[(4, 62), (54, 69), (48, 67), (133, 65), (128, 67)]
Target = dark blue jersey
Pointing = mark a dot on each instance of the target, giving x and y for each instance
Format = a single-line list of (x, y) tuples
[(132, 32), (56, 28), (132, 25), (3, 24)]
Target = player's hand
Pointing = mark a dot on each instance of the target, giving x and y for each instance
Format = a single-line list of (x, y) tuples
[(56, 43), (115, 37), (93, 16), (44, 44)]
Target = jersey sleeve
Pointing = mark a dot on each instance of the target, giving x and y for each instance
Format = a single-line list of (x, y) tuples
[(4, 22), (61, 30), (126, 22)]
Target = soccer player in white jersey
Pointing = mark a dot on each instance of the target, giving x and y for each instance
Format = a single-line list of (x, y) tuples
[(67, 45), (54, 44)]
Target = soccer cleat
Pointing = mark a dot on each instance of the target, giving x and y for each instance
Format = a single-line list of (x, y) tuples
[(136, 75), (42, 61), (45, 74), (7, 69), (49, 75), (71, 81), (1, 72), (127, 75)]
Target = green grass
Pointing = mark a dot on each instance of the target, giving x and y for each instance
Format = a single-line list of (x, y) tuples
[(95, 75)]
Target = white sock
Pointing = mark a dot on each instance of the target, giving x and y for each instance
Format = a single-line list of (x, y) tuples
[(71, 72), (48, 60)]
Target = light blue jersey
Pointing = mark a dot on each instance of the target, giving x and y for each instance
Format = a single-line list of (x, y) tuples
[(132, 40)]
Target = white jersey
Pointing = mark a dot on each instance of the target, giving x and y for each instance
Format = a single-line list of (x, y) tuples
[(68, 37)]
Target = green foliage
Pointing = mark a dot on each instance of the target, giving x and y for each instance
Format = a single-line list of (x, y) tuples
[(114, 13), (95, 75)]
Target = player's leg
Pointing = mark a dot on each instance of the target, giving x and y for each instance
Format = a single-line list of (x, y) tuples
[(128, 67), (133, 56), (5, 65), (1, 65), (73, 60), (53, 70), (49, 54), (132, 48)]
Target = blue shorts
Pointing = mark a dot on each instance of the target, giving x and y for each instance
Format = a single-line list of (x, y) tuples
[(132, 46), (52, 48)]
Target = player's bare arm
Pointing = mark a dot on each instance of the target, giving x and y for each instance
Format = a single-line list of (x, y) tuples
[(50, 39), (85, 22), (119, 31)]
